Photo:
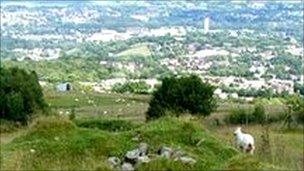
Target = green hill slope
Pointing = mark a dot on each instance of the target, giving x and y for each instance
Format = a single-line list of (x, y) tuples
[(59, 144)]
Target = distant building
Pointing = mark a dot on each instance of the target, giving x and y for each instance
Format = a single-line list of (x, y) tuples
[(206, 24), (64, 87)]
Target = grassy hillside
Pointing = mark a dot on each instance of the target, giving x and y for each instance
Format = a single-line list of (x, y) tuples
[(55, 142), (60, 144), (136, 50)]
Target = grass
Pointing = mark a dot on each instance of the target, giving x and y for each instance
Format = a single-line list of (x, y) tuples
[(129, 107), (282, 149), (58, 144), (136, 50), (113, 125)]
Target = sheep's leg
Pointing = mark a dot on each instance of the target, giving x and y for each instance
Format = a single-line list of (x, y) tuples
[(252, 150), (245, 150)]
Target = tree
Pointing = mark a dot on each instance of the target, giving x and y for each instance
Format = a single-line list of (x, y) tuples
[(140, 87), (20, 94), (179, 95), (295, 111)]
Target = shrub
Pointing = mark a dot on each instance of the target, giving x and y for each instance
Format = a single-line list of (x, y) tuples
[(258, 114), (106, 124), (239, 116), (243, 116), (132, 87), (299, 88), (185, 94), (295, 110), (20, 94)]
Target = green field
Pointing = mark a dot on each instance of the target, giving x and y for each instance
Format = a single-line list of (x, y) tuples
[(106, 124), (136, 50)]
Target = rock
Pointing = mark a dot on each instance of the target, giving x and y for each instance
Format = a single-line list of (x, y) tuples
[(178, 154), (143, 148), (132, 156), (143, 159), (114, 162), (127, 167), (165, 152), (187, 160)]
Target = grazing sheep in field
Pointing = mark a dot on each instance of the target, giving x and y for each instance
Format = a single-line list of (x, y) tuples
[(244, 141)]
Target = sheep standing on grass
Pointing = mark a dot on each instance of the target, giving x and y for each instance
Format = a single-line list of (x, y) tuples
[(244, 141)]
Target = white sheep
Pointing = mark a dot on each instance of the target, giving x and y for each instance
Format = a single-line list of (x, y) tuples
[(244, 141)]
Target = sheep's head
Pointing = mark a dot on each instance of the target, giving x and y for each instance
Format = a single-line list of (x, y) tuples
[(237, 131)]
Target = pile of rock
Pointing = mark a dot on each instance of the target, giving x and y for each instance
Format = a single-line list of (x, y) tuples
[(140, 155)]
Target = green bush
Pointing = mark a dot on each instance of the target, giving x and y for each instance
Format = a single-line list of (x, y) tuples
[(299, 88), (20, 94), (179, 95), (239, 116), (104, 124), (295, 111), (258, 114), (245, 116), (132, 87)]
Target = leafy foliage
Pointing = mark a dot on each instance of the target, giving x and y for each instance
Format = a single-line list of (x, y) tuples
[(132, 87), (295, 110), (20, 94), (185, 94), (243, 116)]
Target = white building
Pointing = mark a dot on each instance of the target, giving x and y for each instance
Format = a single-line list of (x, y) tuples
[(206, 24)]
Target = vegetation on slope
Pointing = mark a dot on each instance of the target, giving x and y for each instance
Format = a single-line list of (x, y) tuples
[(57, 143)]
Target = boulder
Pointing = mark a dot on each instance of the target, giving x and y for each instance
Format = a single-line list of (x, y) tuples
[(178, 154), (165, 152), (143, 148), (143, 159), (127, 167), (114, 161), (187, 160), (132, 156)]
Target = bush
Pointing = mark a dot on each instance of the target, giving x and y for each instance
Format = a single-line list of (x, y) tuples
[(258, 114), (105, 124), (239, 116), (295, 111), (299, 88), (185, 94), (132, 87), (243, 116), (20, 94)]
